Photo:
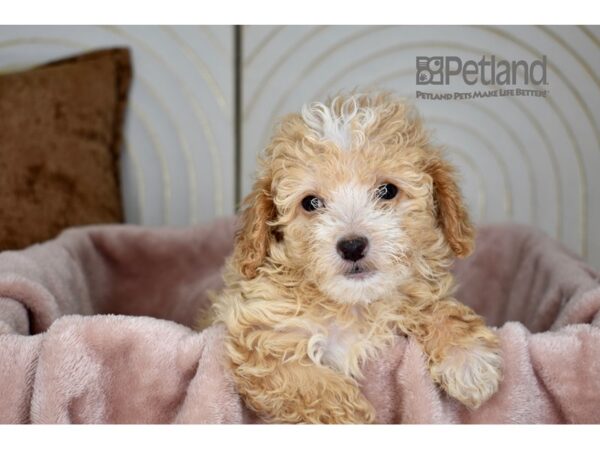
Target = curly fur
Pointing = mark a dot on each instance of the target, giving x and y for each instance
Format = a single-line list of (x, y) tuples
[(300, 329)]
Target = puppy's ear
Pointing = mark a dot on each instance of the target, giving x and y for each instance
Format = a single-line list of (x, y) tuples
[(450, 209), (254, 235)]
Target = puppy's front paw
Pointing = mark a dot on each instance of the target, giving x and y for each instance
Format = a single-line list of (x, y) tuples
[(470, 374)]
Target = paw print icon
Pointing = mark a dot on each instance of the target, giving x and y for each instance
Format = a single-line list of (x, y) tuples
[(430, 70)]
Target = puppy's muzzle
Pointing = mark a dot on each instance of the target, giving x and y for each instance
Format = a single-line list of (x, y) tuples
[(352, 248)]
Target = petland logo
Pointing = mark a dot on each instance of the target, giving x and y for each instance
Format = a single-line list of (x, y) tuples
[(487, 71)]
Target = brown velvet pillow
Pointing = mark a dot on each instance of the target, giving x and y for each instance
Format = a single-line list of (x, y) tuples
[(60, 135)]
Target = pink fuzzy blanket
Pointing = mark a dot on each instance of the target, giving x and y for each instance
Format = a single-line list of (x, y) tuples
[(94, 328)]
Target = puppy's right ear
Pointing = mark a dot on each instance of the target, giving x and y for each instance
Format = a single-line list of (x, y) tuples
[(254, 235), (451, 211)]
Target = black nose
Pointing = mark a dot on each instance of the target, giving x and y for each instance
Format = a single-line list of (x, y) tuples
[(352, 248)]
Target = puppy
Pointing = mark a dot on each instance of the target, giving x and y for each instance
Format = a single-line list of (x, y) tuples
[(345, 242)]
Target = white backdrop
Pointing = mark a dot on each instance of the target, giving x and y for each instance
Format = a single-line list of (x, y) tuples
[(523, 159)]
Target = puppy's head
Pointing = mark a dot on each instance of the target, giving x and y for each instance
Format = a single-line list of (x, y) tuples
[(352, 197)]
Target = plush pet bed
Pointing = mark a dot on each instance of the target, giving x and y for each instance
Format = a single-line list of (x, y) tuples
[(95, 328)]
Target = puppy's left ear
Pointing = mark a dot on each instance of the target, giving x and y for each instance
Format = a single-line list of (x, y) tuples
[(450, 209), (254, 235)]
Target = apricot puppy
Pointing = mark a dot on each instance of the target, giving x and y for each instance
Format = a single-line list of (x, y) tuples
[(346, 241)]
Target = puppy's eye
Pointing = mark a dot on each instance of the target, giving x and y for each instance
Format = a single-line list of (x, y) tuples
[(386, 191), (311, 203)]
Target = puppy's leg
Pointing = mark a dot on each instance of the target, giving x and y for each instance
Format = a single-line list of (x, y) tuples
[(298, 391), (464, 354)]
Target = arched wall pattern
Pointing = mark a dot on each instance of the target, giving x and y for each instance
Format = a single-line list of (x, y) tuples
[(522, 159), (178, 158)]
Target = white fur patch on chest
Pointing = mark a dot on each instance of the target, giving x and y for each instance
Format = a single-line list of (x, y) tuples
[(335, 349)]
